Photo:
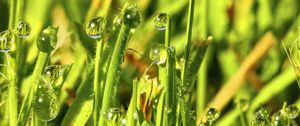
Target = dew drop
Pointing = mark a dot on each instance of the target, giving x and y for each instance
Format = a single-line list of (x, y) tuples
[(160, 21), (96, 27), (212, 114), (47, 39), (258, 119), (158, 54), (123, 122), (292, 111), (7, 41), (278, 119), (113, 115), (45, 102), (132, 17), (171, 51), (23, 29), (118, 21)]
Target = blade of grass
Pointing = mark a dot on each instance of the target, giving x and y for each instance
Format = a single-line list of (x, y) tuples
[(184, 76), (223, 96), (274, 87), (132, 106), (82, 107), (26, 106), (113, 69)]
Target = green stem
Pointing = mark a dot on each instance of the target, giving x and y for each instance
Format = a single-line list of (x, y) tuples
[(16, 7), (113, 70), (38, 70), (97, 82), (184, 77), (170, 85), (12, 95)]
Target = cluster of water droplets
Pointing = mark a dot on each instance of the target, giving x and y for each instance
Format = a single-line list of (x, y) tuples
[(115, 116), (8, 37)]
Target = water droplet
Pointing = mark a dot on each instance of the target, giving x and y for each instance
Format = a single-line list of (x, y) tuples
[(212, 114), (51, 73), (113, 114), (158, 54), (47, 39), (292, 111), (278, 119), (23, 29), (118, 21), (45, 102), (258, 119), (181, 90), (160, 21), (171, 50), (192, 115), (7, 41), (123, 122), (132, 17), (96, 27)]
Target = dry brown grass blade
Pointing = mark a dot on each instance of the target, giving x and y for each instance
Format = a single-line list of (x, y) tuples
[(231, 87)]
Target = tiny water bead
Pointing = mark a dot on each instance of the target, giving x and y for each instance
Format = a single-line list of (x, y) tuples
[(212, 114), (160, 21), (158, 54), (7, 41), (292, 111), (132, 17), (278, 119), (118, 20), (47, 39), (113, 114), (23, 29), (53, 72), (258, 119), (45, 102), (96, 27), (171, 51)]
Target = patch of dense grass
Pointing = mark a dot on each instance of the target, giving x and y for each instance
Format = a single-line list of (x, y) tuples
[(150, 62)]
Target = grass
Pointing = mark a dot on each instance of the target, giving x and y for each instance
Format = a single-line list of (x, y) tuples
[(153, 62)]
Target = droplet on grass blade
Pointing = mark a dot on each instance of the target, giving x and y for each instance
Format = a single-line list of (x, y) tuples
[(23, 29), (258, 119), (160, 21), (278, 119), (96, 27), (158, 54), (48, 39), (113, 115), (7, 41), (212, 114), (132, 17), (45, 102), (292, 111)]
